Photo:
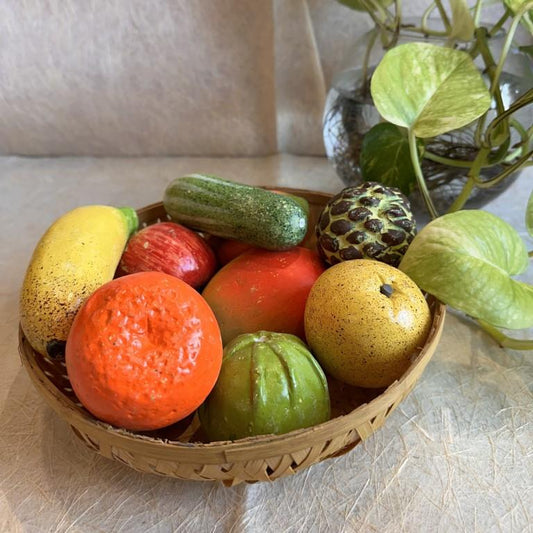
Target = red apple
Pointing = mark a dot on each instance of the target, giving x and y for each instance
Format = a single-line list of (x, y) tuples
[(171, 248)]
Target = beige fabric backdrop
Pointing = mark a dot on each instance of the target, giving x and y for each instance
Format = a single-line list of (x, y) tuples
[(167, 77), (133, 77), (170, 77)]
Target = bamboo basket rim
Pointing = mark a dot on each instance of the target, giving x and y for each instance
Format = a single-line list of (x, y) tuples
[(250, 448)]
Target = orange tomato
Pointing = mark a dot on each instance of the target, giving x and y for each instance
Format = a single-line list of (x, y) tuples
[(144, 351)]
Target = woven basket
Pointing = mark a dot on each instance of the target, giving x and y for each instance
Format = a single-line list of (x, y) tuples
[(180, 451)]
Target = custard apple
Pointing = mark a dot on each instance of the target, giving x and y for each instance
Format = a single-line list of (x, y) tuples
[(367, 221)]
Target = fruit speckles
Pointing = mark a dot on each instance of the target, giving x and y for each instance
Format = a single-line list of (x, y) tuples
[(363, 321)]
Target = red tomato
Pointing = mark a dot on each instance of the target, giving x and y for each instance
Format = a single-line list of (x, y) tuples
[(263, 290), (229, 249), (170, 248)]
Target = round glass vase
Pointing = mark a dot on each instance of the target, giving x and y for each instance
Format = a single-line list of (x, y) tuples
[(350, 113)]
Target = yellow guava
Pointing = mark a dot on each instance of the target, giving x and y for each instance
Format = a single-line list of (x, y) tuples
[(364, 319)]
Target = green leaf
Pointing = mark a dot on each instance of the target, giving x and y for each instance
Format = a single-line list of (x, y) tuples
[(466, 259), (515, 5), (359, 5), (529, 215), (463, 25), (429, 88), (385, 157)]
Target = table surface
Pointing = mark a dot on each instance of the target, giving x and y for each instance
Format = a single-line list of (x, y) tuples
[(457, 454)]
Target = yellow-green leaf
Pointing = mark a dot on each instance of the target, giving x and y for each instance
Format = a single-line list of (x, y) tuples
[(429, 89), (529, 215), (467, 260), (463, 25)]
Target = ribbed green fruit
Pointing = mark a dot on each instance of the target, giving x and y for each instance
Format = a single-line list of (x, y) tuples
[(269, 383)]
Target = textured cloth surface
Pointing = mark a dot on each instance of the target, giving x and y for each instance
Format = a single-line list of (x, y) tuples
[(170, 77), (232, 77), (131, 77), (454, 456)]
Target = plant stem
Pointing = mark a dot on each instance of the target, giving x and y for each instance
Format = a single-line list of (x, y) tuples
[(505, 50), (458, 163), (522, 101), (413, 150), (499, 24), (507, 45), (364, 71), (524, 136), (397, 13), (477, 12), (504, 340), (523, 146), (444, 16), (462, 197), (490, 66), (424, 27), (473, 175), (502, 175), (376, 12)]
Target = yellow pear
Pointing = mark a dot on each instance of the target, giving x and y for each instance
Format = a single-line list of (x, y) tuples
[(364, 320)]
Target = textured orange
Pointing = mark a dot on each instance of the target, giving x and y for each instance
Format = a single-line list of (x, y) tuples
[(144, 351)]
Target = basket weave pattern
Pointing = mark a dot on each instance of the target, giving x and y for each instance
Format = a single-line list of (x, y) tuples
[(179, 451)]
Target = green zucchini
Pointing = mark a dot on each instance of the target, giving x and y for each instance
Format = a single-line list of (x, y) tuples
[(236, 211)]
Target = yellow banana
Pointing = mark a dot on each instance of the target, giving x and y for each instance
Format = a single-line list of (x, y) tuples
[(78, 253)]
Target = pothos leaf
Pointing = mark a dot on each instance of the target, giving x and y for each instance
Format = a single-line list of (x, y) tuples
[(428, 88), (529, 215), (385, 157), (466, 259), (463, 25), (515, 6)]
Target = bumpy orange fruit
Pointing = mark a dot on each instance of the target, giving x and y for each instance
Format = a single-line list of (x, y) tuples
[(144, 351)]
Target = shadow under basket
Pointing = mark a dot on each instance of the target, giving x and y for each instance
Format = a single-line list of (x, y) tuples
[(180, 451)]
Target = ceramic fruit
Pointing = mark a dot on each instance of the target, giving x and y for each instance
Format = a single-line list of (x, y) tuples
[(269, 383), (171, 248), (364, 320), (144, 351), (232, 210), (228, 249), (263, 290), (367, 221), (77, 254)]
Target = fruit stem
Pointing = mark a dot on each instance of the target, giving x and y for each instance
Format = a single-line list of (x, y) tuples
[(386, 289), (131, 218)]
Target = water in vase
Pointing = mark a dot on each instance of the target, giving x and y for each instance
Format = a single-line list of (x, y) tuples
[(350, 113)]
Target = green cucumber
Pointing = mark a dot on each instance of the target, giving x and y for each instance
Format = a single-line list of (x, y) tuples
[(233, 210)]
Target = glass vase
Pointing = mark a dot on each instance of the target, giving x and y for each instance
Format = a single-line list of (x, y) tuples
[(350, 113)]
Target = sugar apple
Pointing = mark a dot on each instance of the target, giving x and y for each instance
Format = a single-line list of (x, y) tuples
[(367, 221)]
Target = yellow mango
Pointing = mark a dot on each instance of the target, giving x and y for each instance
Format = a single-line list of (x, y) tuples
[(78, 253)]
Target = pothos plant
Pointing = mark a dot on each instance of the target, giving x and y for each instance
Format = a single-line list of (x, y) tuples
[(467, 258)]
